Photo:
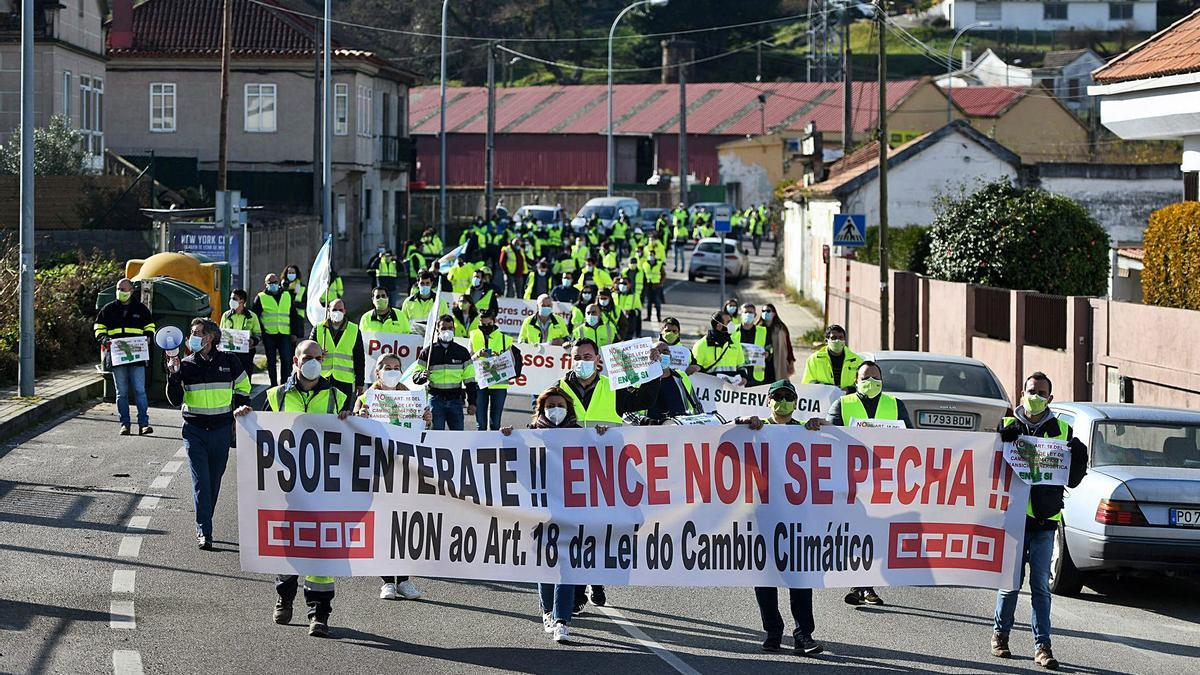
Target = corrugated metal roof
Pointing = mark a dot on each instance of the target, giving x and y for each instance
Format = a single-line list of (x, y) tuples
[(986, 101), (714, 108), (1171, 51)]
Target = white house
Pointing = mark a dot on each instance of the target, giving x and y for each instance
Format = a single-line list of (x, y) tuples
[(944, 161), (1068, 74), (1152, 92), (988, 70), (1138, 15)]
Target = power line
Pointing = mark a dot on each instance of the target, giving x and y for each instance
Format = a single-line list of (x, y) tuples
[(573, 66)]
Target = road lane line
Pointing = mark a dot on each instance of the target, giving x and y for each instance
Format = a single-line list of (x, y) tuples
[(172, 466), (181, 452), (162, 481), (138, 523), (648, 642), (120, 615), (149, 502), (131, 547), (127, 662), (123, 582)]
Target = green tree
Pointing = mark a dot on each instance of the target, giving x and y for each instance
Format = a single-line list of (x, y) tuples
[(57, 150), (1022, 238)]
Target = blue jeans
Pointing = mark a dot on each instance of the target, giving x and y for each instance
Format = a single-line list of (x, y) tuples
[(447, 413), (1038, 547), (489, 401), (558, 599), (131, 379), (680, 258), (208, 453)]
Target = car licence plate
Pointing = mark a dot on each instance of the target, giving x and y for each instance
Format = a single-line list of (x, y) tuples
[(950, 420), (1184, 517)]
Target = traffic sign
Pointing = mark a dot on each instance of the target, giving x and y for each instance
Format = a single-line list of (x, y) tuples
[(849, 229), (723, 218)]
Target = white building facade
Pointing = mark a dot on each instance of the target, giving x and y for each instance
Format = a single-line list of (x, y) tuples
[(1103, 15)]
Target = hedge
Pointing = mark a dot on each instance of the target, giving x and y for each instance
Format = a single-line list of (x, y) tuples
[(908, 247), (1171, 268)]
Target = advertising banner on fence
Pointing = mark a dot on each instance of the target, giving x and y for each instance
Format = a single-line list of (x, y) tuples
[(731, 400), (235, 341), (512, 312), (404, 345), (678, 506), (1039, 461)]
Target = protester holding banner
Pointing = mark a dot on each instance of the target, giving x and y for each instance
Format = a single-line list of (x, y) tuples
[(488, 341), (834, 363), (124, 318), (446, 367), (676, 396), (781, 364), (1043, 518), (276, 308), (343, 345), (717, 354), (211, 388), (592, 395), (239, 317), (752, 336), (544, 327), (595, 327)]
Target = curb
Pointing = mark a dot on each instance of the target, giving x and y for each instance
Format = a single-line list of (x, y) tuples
[(45, 409)]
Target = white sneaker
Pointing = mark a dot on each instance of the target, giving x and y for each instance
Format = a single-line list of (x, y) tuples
[(388, 592), (407, 590), (548, 622), (560, 632)]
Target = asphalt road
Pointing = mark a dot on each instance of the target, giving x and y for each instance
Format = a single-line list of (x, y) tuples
[(98, 577)]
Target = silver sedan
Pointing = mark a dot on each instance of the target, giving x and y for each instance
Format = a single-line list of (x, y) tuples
[(942, 391)]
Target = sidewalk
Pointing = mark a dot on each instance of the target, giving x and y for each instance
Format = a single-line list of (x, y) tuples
[(53, 393)]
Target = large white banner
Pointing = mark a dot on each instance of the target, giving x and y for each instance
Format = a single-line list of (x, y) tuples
[(512, 312), (678, 506), (404, 345), (717, 395)]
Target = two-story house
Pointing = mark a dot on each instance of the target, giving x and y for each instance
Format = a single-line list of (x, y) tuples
[(69, 67), (1068, 74), (1103, 15), (164, 97)]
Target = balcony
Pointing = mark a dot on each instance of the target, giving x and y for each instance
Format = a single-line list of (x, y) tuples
[(398, 153)]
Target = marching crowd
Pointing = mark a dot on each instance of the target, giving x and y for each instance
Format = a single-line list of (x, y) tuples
[(606, 275)]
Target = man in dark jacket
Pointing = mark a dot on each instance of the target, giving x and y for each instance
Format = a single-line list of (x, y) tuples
[(127, 317), (447, 370), (1043, 517)]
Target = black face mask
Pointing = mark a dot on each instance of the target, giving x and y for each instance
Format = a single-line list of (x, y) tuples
[(488, 328)]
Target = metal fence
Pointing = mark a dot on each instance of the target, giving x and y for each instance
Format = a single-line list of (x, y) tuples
[(1046, 320), (992, 310)]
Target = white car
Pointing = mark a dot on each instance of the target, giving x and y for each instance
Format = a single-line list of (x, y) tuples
[(546, 215), (607, 208), (942, 391), (707, 260)]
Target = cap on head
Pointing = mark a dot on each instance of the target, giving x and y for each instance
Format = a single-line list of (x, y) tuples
[(781, 385)]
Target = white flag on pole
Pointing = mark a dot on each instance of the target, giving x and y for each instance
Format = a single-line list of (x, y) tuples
[(447, 261), (318, 283)]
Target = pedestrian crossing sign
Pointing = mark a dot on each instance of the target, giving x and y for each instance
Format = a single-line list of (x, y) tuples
[(849, 229)]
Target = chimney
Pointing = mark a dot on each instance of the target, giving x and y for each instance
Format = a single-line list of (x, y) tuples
[(120, 31), (966, 56)]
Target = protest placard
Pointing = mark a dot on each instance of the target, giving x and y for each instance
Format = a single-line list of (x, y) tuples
[(756, 357), (494, 369), (1039, 461), (403, 408), (403, 345), (235, 341), (631, 363), (859, 423), (731, 400), (126, 350), (681, 357), (542, 366)]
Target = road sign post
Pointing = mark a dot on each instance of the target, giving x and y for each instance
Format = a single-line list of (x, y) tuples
[(723, 223), (850, 230)]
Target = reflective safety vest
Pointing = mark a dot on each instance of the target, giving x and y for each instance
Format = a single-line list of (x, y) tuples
[(597, 276), (334, 291), (657, 249), (416, 307), (460, 278), (724, 359), (602, 409), (818, 369), (760, 339), (531, 281), (447, 376), (604, 333), (533, 333), (213, 398), (277, 314), (653, 273), (628, 302), (853, 409), (247, 320), (339, 355), (297, 291), (416, 263), (1062, 435), (393, 322), (554, 236), (610, 260), (328, 399), (639, 279), (387, 268), (680, 233), (498, 342), (619, 230), (464, 330)]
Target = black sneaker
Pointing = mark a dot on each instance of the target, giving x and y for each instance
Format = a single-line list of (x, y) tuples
[(204, 542), (854, 597), (578, 609), (806, 646), (124, 429), (146, 430), (771, 644), (871, 598), (599, 599), (318, 628), (283, 611)]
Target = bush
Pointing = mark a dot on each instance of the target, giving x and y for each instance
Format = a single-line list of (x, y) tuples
[(64, 310), (1021, 238), (908, 247), (1171, 268), (57, 150)]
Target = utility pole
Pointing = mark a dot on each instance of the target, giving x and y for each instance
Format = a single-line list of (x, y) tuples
[(25, 350), (884, 276), (847, 83), (489, 176), (758, 71), (316, 137), (327, 226), (223, 151), (680, 62)]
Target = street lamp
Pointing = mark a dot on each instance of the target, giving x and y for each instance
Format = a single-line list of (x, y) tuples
[(442, 130), (950, 66), (612, 171)]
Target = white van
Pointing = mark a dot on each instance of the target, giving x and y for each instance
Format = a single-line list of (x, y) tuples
[(607, 208)]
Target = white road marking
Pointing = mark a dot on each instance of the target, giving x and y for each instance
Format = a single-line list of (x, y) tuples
[(181, 452), (172, 466), (131, 547), (149, 502), (127, 662), (120, 614), (161, 482), (123, 582), (647, 642), (138, 523)]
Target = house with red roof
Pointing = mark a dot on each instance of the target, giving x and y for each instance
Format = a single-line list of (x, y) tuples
[(164, 69)]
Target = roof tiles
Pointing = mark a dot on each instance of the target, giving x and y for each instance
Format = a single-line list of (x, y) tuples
[(986, 101), (1172, 51)]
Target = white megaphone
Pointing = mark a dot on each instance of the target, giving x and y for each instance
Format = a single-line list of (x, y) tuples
[(168, 338)]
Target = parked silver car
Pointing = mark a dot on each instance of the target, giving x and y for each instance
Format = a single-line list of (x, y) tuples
[(707, 259), (547, 215), (607, 208), (942, 391), (1138, 508)]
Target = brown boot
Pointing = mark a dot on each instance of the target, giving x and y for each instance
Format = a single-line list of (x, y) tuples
[(1000, 645), (1045, 658)]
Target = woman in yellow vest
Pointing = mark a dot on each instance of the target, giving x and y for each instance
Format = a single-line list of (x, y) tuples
[(466, 317), (868, 402), (486, 342), (294, 285), (239, 317), (388, 372)]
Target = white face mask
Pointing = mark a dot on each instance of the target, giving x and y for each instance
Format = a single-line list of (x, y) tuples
[(446, 336), (391, 378), (235, 303), (556, 415), (310, 369), (336, 316)]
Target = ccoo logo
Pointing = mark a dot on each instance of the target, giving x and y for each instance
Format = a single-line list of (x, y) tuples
[(945, 546), (316, 534)]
